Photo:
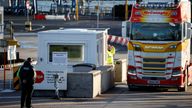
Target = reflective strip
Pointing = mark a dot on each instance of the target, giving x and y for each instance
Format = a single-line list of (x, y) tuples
[(15, 78), (118, 40)]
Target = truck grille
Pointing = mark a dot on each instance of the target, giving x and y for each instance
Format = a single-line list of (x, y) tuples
[(154, 73), (154, 67), (154, 59)]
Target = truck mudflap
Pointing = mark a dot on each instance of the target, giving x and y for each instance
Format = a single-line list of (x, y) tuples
[(174, 82)]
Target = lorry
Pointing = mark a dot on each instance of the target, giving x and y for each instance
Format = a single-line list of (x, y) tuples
[(159, 47)]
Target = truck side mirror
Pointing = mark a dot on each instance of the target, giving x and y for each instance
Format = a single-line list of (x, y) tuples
[(189, 33), (125, 29), (189, 30), (128, 28)]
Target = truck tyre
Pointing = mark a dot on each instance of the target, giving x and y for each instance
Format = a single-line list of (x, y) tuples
[(184, 89)]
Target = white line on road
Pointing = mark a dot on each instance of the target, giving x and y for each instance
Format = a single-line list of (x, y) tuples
[(10, 97), (25, 34)]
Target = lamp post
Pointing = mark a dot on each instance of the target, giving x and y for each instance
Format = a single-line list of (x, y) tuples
[(28, 26), (98, 13), (77, 10), (126, 10), (10, 3)]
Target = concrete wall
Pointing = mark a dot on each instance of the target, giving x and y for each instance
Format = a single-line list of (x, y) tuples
[(107, 78), (81, 84), (121, 70), (84, 84)]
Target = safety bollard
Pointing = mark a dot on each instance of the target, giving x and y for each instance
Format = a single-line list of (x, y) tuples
[(56, 85), (28, 26)]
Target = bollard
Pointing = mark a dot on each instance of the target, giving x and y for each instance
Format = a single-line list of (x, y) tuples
[(28, 26), (16, 85), (56, 85)]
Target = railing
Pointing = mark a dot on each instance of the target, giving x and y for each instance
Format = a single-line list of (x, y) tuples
[(83, 10)]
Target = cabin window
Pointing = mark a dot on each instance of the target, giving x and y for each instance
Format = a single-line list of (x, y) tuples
[(75, 52)]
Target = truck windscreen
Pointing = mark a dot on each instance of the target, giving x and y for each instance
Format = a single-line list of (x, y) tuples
[(156, 31)]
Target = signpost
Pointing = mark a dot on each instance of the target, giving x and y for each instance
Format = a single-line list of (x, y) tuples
[(28, 23)]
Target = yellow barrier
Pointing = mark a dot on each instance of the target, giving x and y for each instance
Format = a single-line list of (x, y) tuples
[(16, 85), (28, 26)]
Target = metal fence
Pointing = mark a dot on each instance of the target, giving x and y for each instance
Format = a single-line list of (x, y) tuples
[(1, 30), (6, 78), (83, 10)]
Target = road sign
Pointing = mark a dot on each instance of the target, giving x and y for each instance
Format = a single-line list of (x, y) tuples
[(11, 52), (39, 76), (60, 58)]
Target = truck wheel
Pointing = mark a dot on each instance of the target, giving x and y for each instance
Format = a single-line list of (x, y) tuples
[(184, 89)]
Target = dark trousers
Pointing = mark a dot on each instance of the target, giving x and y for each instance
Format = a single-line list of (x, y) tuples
[(26, 94)]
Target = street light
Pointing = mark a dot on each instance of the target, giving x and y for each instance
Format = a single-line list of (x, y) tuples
[(77, 10), (126, 10), (28, 23), (98, 12)]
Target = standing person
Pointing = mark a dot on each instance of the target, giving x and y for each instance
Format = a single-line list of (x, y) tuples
[(110, 54), (27, 76)]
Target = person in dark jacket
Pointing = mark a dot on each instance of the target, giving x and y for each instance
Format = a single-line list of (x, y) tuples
[(27, 76)]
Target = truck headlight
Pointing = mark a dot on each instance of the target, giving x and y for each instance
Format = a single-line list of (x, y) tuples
[(176, 71), (173, 47), (131, 70)]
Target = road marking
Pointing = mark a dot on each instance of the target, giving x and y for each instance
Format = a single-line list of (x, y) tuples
[(40, 28), (10, 97), (25, 34)]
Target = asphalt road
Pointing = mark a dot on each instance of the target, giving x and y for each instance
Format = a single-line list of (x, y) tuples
[(118, 97), (19, 22)]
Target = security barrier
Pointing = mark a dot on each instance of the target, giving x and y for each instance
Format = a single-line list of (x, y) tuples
[(28, 26), (6, 77), (121, 70), (39, 17), (118, 40), (15, 78)]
